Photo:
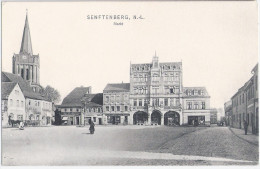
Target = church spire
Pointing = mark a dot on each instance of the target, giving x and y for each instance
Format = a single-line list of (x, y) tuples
[(26, 46)]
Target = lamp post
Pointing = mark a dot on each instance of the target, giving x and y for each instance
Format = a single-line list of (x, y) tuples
[(83, 112)]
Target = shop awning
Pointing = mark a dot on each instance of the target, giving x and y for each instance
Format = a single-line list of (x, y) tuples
[(64, 118)]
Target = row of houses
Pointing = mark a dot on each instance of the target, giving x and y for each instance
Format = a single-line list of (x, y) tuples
[(21, 103), (243, 105), (154, 96)]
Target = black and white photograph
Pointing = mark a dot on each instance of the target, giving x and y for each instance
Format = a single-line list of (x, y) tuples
[(129, 83)]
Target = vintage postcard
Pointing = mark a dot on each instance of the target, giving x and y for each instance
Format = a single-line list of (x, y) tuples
[(129, 83)]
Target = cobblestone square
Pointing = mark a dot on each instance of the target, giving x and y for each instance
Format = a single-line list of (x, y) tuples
[(126, 145)]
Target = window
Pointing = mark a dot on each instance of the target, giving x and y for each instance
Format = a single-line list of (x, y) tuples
[(189, 105), (65, 110), (112, 98), (70, 109), (107, 98), (11, 102), (117, 108), (203, 106), (94, 119), (199, 92), (171, 90), (140, 103), (202, 92), (112, 108), (145, 78), (195, 92), (177, 102), (17, 103), (189, 92), (196, 106), (166, 101), (171, 102), (135, 102), (117, 98), (126, 108), (77, 110), (21, 103), (155, 90), (145, 102), (145, 90)]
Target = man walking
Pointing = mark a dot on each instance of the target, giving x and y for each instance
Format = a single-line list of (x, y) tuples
[(245, 127)]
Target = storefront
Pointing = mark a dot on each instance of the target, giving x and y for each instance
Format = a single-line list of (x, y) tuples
[(196, 120), (117, 119)]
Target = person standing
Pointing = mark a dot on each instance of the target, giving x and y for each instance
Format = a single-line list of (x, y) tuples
[(245, 126)]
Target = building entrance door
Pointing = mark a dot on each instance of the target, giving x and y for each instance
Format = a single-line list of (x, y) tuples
[(71, 120), (99, 121), (77, 120)]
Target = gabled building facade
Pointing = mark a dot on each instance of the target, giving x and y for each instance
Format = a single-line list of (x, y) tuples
[(116, 105), (157, 96), (13, 103)]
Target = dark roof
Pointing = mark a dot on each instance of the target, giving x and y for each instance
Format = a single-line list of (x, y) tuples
[(7, 88), (74, 98), (26, 46), (117, 87), (93, 100), (24, 85)]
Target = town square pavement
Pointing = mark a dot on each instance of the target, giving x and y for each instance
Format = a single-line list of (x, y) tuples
[(126, 145)]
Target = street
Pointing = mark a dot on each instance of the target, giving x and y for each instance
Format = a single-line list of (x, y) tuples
[(125, 145)]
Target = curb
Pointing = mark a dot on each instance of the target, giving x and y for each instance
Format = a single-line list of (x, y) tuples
[(250, 142)]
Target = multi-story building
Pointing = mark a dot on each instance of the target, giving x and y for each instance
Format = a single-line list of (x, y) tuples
[(116, 103), (157, 96), (13, 103), (245, 104), (93, 108), (72, 104), (228, 112), (80, 105), (38, 110), (196, 106)]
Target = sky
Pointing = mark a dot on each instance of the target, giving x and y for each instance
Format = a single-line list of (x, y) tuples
[(216, 42)]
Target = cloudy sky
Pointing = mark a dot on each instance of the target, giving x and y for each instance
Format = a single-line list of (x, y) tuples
[(216, 42)]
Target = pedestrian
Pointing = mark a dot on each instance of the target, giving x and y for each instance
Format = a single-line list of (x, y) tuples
[(245, 126)]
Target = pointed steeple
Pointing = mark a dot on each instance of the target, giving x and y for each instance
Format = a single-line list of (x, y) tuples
[(26, 46)]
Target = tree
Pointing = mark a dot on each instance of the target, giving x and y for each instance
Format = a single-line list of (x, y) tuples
[(51, 94)]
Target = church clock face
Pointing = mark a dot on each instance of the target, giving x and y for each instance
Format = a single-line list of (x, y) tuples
[(24, 57)]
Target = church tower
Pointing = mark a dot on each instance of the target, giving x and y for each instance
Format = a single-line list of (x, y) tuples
[(26, 64)]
